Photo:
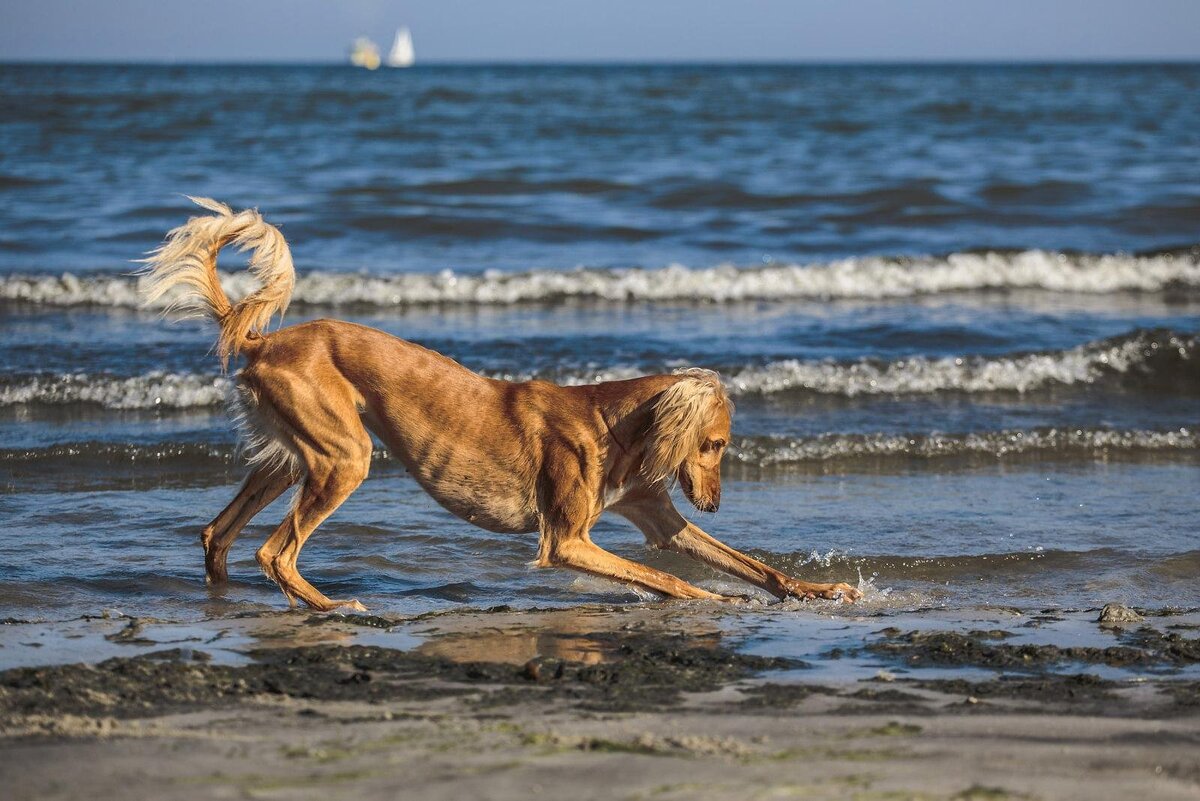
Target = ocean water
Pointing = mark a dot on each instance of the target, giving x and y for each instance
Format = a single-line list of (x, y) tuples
[(957, 306)]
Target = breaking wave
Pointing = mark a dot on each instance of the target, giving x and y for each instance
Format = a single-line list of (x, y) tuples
[(1155, 358), (864, 278), (156, 390), (1158, 360)]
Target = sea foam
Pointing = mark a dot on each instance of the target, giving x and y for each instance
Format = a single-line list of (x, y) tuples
[(1158, 360), (862, 278), (782, 452)]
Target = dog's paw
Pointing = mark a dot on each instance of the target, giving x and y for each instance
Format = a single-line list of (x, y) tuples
[(336, 606), (845, 592), (808, 591), (737, 599)]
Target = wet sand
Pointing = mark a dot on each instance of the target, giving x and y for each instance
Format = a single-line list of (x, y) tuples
[(642, 701)]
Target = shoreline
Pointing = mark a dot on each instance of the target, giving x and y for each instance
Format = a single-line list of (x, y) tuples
[(640, 701)]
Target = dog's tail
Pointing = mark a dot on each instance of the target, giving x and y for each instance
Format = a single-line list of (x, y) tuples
[(187, 259)]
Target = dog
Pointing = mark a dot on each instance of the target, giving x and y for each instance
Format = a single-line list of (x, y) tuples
[(510, 457)]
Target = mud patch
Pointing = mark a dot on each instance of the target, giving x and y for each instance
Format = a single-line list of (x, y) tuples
[(1184, 695), (1083, 692), (647, 672), (1145, 648), (643, 672), (781, 696), (168, 681)]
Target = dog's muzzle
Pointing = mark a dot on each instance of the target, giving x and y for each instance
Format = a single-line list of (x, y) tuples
[(703, 504)]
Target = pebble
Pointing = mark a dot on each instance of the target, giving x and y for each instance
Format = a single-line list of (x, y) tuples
[(1118, 613)]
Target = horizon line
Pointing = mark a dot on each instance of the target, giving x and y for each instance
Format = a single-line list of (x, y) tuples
[(601, 62)]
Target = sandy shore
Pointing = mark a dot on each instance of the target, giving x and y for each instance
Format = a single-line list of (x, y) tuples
[(642, 702)]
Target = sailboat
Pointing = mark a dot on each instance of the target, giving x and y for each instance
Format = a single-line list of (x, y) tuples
[(401, 54), (364, 53)]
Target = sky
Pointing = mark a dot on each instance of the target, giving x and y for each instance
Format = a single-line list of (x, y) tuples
[(603, 30)]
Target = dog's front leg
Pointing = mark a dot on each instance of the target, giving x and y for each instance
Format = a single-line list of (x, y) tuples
[(567, 511), (664, 527), (692, 541)]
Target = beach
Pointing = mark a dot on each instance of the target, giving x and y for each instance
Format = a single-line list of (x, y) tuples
[(642, 701), (956, 307)]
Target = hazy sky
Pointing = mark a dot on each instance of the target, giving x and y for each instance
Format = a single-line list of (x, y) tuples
[(602, 30)]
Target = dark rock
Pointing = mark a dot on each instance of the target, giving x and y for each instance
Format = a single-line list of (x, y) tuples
[(1118, 613)]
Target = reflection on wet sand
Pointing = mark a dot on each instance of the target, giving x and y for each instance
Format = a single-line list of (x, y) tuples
[(516, 647), (571, 635), (293, 633)]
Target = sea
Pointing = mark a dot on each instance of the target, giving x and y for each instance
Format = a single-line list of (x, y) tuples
[(957, 307)]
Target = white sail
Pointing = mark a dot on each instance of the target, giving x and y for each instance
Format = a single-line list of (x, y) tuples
[(401, 54)]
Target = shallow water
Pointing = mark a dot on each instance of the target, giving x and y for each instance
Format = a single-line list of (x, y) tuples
[(957, 308)]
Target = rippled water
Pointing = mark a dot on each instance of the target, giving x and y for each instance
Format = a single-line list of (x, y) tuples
[(957, 307)]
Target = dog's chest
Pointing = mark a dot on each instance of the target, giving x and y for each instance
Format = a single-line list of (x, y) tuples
[(613, 495)]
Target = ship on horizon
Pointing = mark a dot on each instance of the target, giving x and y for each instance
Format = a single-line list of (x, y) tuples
[(364, 53), (402, 54)]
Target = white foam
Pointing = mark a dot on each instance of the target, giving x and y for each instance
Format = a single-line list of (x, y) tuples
[(149, 391), (1085, 364), (783, 451), (866, 277)]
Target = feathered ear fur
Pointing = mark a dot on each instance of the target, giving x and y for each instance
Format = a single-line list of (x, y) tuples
[(681, 414)]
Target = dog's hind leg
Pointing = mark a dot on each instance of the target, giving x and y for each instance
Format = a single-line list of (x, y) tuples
[(323, 491), (323, 430), (261, 487)]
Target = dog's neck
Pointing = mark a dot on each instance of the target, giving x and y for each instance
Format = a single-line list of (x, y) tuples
[(626, 418)]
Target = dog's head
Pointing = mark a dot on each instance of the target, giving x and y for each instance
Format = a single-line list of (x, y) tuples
[(688, 437)]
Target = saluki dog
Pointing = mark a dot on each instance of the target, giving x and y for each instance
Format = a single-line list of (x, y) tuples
[(511, 457)]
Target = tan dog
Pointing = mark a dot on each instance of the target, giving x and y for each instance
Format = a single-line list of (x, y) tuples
[(509, 457)]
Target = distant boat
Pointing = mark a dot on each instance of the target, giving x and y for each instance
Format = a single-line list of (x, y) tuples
[(401, 54), (364, 53)]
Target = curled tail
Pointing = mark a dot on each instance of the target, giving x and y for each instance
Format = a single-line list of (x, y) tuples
[(188, 259)]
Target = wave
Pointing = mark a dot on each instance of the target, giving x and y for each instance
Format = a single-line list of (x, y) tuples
[(784, 452), (1156, 358), (766, 452), (854, 278), (1150, 360), (155, 390)]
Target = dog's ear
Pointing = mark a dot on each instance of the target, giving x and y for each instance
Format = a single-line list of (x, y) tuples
[(681, 414)]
